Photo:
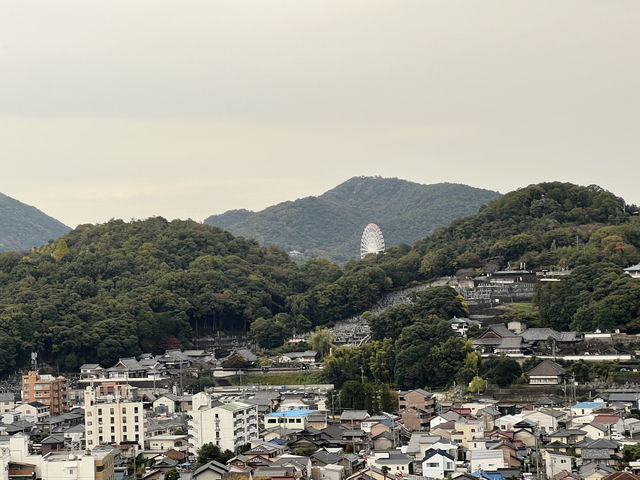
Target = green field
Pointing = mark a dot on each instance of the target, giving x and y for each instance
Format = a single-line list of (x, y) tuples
[(292, 378)]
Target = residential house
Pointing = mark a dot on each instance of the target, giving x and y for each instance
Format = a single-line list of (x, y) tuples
[(419, 443), (546, 419), (34, 412), (461, 325), (330, 472), (162, 443), (568, 436), (613, 423), (353, 418), (601, 451), (383, 441), (395, 461), (595, 430), (307, 357), (546, 373), (629, 398), (437, 464), (488, 415), (467, 430), (92, 370), (556, 462), (210, 471), (290, 419), (126, 368), (415, 419), (443, 418), (585, 408), (354, 438), (7, 402), (486, 460), (595, 471)]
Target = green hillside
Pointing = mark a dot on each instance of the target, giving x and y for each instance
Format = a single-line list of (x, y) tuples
[(118, 289), (23, 227), (331, 225)]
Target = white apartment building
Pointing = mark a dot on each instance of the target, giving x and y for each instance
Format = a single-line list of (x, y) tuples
[(70, 465), (112, 420), (227, 425)]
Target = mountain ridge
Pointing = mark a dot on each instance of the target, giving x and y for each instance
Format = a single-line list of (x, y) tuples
[(23, 226), (330, 225)]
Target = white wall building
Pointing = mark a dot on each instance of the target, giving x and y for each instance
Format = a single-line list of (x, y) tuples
[(227, 425), (70, 465), (112, 420), (488, 460), (438, 464)]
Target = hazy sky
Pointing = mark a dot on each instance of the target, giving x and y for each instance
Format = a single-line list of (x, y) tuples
[(131, 108)]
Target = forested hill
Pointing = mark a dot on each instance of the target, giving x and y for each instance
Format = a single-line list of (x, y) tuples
[(117, 289), (552, 226), (330, 226), (547, 225), (23, 227)]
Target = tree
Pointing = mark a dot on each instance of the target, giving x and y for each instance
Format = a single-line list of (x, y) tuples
[(321, 340), (209, 452), (61, 249), (172, 474), (477, 385), (501, 370)]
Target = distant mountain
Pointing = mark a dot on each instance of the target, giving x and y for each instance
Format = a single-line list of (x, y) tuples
[(331, 225), (23, 226)]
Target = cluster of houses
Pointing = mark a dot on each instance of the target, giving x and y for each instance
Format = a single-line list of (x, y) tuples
[(96, 427)]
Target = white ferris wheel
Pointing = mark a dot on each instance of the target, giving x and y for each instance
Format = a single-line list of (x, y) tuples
[(372, 240)]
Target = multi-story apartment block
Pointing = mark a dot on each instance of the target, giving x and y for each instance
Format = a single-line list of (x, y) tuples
[(112, 420), (46, 389), (417, 398), (227, 425)]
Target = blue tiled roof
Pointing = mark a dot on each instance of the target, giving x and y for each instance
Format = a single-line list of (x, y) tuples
[(588, 405), (290, 413)]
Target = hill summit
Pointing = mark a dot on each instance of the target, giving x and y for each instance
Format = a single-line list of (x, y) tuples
[(23, 226), (331, 224)]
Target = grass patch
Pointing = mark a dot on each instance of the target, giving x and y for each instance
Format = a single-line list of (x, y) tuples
[(289, 378)]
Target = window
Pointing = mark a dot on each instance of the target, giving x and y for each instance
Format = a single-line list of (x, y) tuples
[(135, 409), (99, 411), (136, 428), (135, 419), (99, 429), (124, 428), (124, 419), (111, 411), (113, 429), (124, 410)]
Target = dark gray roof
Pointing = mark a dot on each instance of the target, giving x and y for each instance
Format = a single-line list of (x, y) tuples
[(547, 368), (212, 465), (325, 457)]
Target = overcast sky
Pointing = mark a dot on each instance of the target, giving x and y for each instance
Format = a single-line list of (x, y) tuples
[(132, 108)]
